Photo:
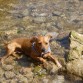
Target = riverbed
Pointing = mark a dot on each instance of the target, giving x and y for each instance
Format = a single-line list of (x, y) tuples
[(26, 18)]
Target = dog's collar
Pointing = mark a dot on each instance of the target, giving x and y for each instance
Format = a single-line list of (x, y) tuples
[(46, 51)]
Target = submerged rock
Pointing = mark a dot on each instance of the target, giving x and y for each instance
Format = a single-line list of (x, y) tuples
[(39, 20), (75, 58), (9, 74)]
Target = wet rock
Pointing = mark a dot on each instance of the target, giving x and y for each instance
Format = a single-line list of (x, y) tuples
[(21, 78), (9, 32), (75, 56), (1, 72), (13, 81), (45, 80), (56, 13), (27, 72), (76, 46), (53, 69), (27, 19), (25, 12), (2, 80), (7, 67), (35, 14), (39, 20), (59, 79), (13, 12), (75, 67), (9, 74), (39, 71)]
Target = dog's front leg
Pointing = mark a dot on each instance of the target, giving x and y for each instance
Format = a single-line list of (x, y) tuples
[(48, 55), (41, 60), (55, 61)]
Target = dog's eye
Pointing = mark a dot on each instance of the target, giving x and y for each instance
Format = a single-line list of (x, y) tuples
[(39, 43), (46, 43)]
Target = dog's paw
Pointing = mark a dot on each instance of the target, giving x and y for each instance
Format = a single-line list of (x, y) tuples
[(59, 66), (45, 65)]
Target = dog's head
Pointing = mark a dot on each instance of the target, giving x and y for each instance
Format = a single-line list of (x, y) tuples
[(42, 42)]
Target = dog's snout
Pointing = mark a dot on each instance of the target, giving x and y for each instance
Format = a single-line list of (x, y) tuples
[(43, 49)]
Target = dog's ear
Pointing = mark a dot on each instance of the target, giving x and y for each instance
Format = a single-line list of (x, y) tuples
[(49, 36), (34, 39), (52, 35)]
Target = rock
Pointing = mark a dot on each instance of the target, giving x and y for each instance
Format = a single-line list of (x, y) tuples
[(9, 74), (45, 80), (27, 19), (39, 20), (13, 12), (75, 67), (25, 12), (2, 80), (21, 78), (27, 72), (1, 72), (76, 46), (9, 32), (75, 56), (7, 67), (13, 81), (59, 79), (35, 14), (54, 68), (39, 71), (56, 13)]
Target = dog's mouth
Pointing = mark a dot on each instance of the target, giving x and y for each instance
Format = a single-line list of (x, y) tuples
[(45, 52)]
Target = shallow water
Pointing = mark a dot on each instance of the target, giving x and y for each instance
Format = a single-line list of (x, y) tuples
[(29, 17)]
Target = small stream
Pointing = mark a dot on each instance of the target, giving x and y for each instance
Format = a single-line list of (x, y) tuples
[(29, 17)]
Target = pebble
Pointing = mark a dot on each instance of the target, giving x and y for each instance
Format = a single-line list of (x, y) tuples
[(9, 74), (59, 79), (7, 67), (56, 13), (39, 20), (21, 78), (35, 14), (25, 12), (1, 72), (45, 80)]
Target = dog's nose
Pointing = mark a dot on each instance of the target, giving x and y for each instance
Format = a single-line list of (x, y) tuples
[(43, 49)]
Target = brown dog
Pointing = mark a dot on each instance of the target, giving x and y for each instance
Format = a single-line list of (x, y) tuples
[(36, 47)]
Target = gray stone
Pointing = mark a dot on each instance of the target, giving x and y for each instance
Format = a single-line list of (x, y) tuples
[(25, 12), (2, 80), (56, 13), (35, 14), (75, 56), (45, 80), (21, 78), (76, 46), (59, 79), (39, 20), (9, 74), (1, 72), (75, 67), (13, 81), (7, 67), (54, 68)]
